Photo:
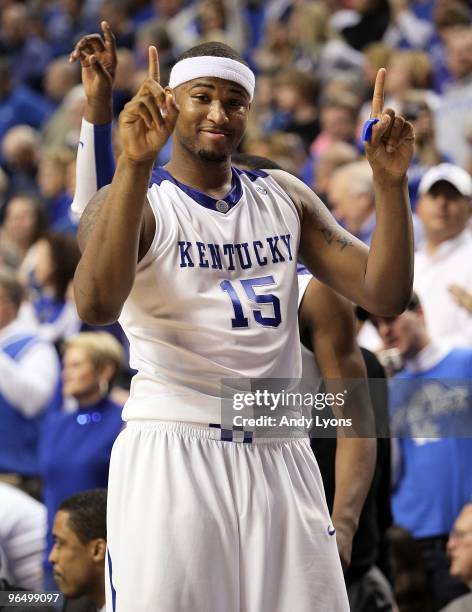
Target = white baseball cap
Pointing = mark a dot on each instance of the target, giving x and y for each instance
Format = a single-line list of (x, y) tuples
[(455, 175)]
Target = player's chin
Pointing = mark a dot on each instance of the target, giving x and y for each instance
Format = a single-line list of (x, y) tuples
[(213, 154)]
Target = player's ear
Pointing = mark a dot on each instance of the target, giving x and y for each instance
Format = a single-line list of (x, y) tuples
[(98, 550), (172, 95)]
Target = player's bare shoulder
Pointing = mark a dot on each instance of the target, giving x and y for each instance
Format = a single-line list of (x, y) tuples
[(304, 199), (92, 212)]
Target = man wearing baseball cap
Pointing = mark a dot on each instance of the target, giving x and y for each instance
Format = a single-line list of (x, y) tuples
[(444, 258)]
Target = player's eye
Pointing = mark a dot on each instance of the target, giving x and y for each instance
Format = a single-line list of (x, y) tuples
[(201, 98)]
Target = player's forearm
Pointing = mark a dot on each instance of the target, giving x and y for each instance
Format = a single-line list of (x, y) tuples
[(356, 444), (389, 270), (106, 271), (355, 464)]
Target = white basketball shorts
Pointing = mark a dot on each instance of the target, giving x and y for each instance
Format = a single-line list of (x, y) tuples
[(196, 524)]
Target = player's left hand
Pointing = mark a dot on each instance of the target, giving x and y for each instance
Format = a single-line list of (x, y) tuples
[(344, 541), (98, 60), (390, 148)]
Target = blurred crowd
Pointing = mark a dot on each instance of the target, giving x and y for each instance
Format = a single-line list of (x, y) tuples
[(62, 383)]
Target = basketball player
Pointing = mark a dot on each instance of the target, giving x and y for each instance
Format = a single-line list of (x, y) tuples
[(201, 270)]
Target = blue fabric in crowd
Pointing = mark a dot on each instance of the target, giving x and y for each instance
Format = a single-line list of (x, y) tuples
[(58, 213), (74, 452), (23, 106), (429, 410), (18, 434)]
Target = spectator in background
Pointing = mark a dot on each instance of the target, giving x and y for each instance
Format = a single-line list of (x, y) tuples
[(27, 52), (154, 33), (52, 183), (220, 20), (75, 446), (63, 128), (430, 412), (53, 263), (19, 105), (409, 577), (351, 197), (335, 155), (22, 538), (454, 109), (450, 17), (59, 78), (65, 22), (417, 111), (20, 153), (407, 70), (286, 150), (338, 120), (364, 23), (79, 552), (296, 95), (29, 373), (115, 12), (444, 209), (459, 547), (24, 223)]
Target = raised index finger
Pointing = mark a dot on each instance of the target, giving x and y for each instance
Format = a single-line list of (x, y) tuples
[(153, 71), (378, 97)]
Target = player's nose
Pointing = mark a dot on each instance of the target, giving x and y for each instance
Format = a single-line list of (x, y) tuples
[(217, 113)]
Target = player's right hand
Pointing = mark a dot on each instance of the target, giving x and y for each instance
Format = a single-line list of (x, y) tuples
[(148, 120), (97, 57)]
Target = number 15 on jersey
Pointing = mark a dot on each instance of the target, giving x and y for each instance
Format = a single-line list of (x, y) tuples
[(248, 287)]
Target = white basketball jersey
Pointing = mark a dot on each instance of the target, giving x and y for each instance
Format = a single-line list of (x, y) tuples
[(311, 375), (215, 297)]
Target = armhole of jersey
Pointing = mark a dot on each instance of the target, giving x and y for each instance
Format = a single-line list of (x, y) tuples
[(290, 201), (303, 282), (151, 253)]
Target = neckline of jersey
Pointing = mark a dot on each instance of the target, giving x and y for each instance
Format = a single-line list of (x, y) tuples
[(160, 174)]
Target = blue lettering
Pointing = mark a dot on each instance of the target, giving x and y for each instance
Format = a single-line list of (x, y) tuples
[(286, 238), (263, 261), (228, 249), (215, 256), (185, 259), (201, 251), (247, 263), (274, 249)]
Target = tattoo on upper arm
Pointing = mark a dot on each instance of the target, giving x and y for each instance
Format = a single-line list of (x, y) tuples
[(332, 236), (89, 216)]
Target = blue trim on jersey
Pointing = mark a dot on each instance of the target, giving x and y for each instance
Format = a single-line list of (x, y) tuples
[(104, 160), (253, 175), (301, 269), (160, 174), (110, 574)]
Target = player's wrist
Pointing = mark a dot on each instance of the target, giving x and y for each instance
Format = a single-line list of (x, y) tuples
[(98, 111), (136, 163), (387, 180)]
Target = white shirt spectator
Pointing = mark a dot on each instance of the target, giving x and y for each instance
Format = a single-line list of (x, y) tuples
[(27, 384), (446, 321), (451, 117), (22, 538)]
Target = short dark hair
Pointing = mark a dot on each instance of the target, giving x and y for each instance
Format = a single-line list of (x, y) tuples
[(65, 255), (214, 49), (87, 514), (253, 162), (413, 304)]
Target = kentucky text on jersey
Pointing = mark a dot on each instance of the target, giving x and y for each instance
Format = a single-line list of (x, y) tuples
[(273, 249)]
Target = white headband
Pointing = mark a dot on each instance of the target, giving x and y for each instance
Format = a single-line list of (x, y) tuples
[(210, 66)]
